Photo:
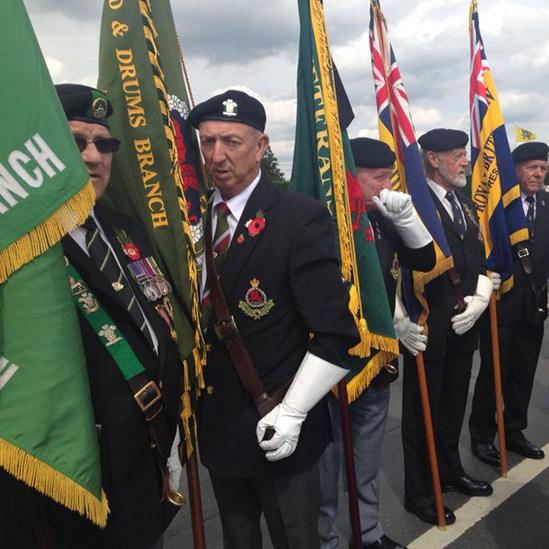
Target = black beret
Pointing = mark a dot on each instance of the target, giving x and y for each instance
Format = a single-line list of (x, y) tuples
[(231, 106), (372, 153), (441, 139), (84, 103), (533, 150)]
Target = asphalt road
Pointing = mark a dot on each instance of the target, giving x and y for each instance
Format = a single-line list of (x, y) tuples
[(504, 521)]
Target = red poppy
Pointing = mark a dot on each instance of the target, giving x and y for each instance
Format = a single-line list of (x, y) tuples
[(132, 251), (255, 226)]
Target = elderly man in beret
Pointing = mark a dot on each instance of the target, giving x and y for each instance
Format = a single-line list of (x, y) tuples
[(400, 238), (456, 300), (287, 311), (521, 314), (136, 413)]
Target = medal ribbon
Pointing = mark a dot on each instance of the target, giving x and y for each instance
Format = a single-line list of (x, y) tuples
[(120, 350)]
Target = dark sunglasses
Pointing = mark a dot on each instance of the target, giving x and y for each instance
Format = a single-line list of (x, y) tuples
[(102, 144)]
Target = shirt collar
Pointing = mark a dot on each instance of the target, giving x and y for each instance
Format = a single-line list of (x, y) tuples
[(439, 190), (238, 202), (524, 196)]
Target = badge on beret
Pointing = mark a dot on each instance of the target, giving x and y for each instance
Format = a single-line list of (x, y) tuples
[(231, 108), (99, 108), (255, 303)]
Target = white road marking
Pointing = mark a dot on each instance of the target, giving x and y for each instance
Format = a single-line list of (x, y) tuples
[(477, 508)]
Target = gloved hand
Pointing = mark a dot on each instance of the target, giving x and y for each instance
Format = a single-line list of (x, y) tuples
[(496, 280), (314, 378), (409, 333), (399, 209), (475, 306)]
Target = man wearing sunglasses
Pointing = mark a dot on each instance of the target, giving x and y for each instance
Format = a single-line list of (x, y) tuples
[(136, 415)]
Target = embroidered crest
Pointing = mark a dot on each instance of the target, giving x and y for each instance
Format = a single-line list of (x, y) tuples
[(231, 107), (109, 333), (84, 296), (257, 224), (255, 303)]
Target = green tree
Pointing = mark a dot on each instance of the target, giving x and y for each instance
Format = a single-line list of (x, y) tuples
[(270, 167)]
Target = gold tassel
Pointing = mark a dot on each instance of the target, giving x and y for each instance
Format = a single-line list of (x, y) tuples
[(49, 232), (52, 483)]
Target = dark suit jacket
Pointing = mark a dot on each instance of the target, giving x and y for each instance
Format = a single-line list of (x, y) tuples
[(130, 475), (519, 303), (469, 260), (294, 261), (389, 244)]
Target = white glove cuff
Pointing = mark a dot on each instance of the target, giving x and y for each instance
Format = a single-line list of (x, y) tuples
[(484, 287), (314, 378)]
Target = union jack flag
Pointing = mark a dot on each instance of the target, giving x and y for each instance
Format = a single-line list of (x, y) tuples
[(494, 185), (396, 128)]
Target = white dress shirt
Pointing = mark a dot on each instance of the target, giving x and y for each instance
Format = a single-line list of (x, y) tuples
[(236, 206), (79, 236), (440, 193)]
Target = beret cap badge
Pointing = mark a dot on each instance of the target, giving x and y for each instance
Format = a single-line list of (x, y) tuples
[(99, 108), (231, 107)]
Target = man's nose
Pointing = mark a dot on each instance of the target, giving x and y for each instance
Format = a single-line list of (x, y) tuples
[(218, 152), (90, 154)]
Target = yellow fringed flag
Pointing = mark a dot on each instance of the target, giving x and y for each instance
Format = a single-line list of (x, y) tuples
[(323, 168), (155, 176), (47, 428)]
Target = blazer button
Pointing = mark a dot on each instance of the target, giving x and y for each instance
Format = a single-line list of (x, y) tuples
[(209, 347), (209, 390)]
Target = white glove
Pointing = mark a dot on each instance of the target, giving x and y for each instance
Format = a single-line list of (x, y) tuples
[(314, 378), (174, 463), (409, 333), (399, 209), (496, 280), (475, 306)]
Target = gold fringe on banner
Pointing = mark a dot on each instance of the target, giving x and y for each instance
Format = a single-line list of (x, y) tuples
[(47, 233), (349, 268), (362, 380), (53, 484)]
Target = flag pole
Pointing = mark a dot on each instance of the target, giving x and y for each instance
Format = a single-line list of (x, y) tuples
[(497, 386), (431, 449), (349, 465), (195, 499)]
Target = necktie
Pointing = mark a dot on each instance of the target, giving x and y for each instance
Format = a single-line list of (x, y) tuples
[(531, 215), (103, 257), (220, 244), (459, 222)]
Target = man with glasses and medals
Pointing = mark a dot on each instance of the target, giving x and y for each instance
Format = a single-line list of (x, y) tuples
[(132, 361)]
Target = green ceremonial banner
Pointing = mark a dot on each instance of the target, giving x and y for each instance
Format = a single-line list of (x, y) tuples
[(323, 167), (47, 428), (155, 175)]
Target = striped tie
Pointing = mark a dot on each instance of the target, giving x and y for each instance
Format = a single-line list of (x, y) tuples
[(103, 257), (220, 245), (531, 216)]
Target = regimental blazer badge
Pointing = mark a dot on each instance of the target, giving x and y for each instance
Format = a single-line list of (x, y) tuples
[(255, 303)]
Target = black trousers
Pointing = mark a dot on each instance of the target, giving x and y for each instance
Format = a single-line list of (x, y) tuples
[(520, 345), (290, 503), (448, 384)]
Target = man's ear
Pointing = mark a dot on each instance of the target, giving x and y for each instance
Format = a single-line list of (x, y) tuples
[(433, 159), (262, 144)]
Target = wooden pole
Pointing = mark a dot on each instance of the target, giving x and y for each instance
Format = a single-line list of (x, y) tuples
[(504, 467), (349, 464), (431, 449), (195, 499)]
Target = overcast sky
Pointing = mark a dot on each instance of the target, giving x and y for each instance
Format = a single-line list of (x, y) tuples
[(253, 45)]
